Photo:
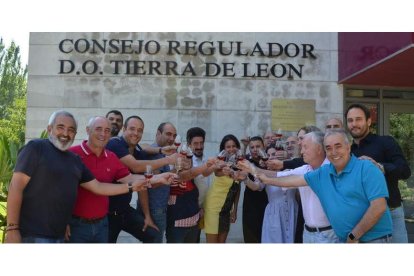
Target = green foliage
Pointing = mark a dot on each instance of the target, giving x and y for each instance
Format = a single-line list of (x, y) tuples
[(13, 89), (8, 156), (402, 129), (407, 193)]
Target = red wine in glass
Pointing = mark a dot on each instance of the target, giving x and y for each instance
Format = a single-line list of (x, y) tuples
[(222, 155), (265, 158), (148, 175)]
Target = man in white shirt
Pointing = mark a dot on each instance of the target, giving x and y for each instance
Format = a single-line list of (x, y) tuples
[(195, 140), (317, 226)]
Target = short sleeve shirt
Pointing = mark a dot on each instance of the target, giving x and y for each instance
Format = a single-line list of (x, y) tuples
[(119, 146), (50, 195), (345, 197), (106, 168)]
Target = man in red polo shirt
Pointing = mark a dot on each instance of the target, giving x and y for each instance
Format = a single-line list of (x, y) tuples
[(89, 222)]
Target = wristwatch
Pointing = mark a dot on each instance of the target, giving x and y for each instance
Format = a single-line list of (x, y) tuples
[(351, 236), (130, 187), (160, 150)]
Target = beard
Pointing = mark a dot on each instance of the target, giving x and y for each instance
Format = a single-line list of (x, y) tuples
[(198, 153), (114, 130), (359, 134), (60, 145)]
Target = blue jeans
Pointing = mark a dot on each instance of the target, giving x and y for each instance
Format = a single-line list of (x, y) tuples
[(83, 232), (327, 236), (132, 222), (159, 216), (386, 239), (182, 234), (399, 231), (31, 239)]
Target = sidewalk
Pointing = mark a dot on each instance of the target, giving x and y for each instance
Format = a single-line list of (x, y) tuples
[(236, 232)]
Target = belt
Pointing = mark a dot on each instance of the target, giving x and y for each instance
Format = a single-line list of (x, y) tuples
[(317, 229), (393, 208), (89, 220), (380, 238)]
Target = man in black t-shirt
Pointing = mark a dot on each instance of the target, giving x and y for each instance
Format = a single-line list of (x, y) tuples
[(44, 185)]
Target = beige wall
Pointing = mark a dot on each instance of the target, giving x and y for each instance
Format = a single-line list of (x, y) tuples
[(220, 105)]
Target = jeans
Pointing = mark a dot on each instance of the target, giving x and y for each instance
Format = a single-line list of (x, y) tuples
[(159, 216), (132, 222), (83, 232), (31, 239), (399, 231), (327, 236), (386, 239), (182, 234)]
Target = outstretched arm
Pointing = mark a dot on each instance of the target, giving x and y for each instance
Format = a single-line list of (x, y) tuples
[(286, 181)]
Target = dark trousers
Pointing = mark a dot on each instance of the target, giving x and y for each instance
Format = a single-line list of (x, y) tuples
[(300, 222), (182, 234), (132, 222)]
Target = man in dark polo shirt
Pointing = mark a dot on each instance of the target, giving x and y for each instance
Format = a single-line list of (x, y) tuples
[(384, 152), (131, 155), (45, 182), (89, 222)]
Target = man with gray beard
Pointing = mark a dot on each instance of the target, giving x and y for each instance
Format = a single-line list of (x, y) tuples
[(45, 182)]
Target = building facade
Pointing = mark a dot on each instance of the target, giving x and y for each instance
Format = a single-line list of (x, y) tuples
[(222, 82)]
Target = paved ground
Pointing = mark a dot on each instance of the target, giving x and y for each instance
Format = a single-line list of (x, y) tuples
[(236, 233)]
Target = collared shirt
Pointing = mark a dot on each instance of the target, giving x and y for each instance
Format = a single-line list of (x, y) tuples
[(346, 197), (120, 147), (312, 209), (385, 150), (106, 168)]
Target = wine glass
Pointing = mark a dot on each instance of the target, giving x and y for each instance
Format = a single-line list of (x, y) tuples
[(239, 155), (148, 175), (183, 150), (177, 141), (179, 164), (222, 155), (263, 155)]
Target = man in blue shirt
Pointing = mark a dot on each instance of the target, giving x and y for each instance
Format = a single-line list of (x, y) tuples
[(387, 155), (158, 197), (352, 192)]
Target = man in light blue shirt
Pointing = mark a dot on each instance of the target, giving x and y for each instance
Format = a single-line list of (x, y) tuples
[(352, 192)]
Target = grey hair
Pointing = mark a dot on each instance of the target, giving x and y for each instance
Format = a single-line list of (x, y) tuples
[(52, 118), (92, 120), (308, 129), (337, 131), (316, 137)]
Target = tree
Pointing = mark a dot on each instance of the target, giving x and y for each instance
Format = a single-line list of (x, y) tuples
[(13, 90), (13, 86)]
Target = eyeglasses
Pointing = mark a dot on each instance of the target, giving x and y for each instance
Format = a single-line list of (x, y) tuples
[(332, 126)]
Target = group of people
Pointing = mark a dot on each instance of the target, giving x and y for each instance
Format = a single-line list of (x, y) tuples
[(316, 188)]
